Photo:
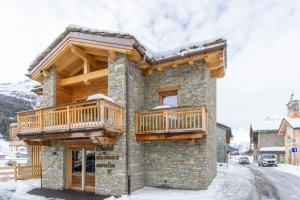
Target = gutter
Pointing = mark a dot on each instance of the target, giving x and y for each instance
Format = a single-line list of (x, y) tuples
[(127, 129)]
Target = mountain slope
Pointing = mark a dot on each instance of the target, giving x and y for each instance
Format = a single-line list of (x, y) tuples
[(15, 97)]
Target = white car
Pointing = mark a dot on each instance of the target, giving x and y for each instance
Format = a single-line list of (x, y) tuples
[(267, 160)]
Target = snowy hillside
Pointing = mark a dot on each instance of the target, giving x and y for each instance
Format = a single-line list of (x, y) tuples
[(241, 138), (20, 90)]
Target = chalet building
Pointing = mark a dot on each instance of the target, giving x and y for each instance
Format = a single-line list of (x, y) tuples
[(264, 138), (223, 139), (116, 117), (290, 130)]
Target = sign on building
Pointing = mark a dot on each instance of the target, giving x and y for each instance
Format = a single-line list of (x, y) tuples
[(294, 150)]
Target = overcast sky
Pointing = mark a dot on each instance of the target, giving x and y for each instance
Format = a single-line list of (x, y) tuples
[(263, 42)]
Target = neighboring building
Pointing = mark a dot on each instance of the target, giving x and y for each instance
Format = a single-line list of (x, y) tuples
[(14, 142), (2, 155), (290, 130), (223, 139), (264, 138), (115, 117)]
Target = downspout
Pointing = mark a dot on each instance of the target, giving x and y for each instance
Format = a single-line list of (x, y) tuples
[(127, 130)]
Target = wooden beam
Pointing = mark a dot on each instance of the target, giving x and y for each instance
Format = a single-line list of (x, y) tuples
[(45, 73), (106, 140), (39, 143), (84, 77), (149, 71), (102, 47), (83, 55), (168, 88), (170, 136), (112, 54), (86, 70), (187, 60)]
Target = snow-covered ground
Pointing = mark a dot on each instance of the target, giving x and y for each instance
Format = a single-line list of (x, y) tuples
[(11, 155), (232, 183), (290, 169), (11, 190)]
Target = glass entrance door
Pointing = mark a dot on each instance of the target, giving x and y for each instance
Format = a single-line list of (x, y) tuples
[(81, 169)]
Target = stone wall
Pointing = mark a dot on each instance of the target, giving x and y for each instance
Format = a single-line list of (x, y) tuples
[(192, 79), (49, 89), (270, 139), (53, 167), (182, 164), (114, 181), (221, 145), (136, 149)]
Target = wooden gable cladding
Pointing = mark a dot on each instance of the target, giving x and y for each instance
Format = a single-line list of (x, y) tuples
[(74, 54)]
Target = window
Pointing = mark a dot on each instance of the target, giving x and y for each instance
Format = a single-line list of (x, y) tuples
[(169, 100), (168, 95)]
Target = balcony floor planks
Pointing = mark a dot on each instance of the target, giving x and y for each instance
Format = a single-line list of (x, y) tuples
[(171, 136)]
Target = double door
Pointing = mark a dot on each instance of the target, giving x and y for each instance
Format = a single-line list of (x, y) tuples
[(81, 169)]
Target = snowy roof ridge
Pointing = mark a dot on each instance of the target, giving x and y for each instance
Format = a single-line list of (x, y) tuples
[(153, 56), (294, 122), (270, 123)]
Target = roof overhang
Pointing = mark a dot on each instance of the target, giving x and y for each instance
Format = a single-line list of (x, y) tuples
[(212, 53)]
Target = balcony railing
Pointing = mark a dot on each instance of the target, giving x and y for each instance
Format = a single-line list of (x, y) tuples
[(172, 120), (89, 114)]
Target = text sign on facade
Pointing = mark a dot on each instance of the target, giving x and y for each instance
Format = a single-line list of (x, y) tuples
[(294, 150), (103, 153)]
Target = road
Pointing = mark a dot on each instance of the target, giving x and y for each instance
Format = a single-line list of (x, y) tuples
[(273, 184)]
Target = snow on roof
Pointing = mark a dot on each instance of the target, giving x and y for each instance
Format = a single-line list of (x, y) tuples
[(294, 122), (152, 56), (269, 123), (276, 148)]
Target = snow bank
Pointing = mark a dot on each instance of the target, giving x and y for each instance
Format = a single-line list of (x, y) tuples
[(234, 183), (290, 169), (18, 190)]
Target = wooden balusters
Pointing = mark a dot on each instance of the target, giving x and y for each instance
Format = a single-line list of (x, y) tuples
[(87, 114), (170, 120)]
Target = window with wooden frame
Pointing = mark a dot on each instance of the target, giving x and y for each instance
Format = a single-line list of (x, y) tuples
[(168, 95)]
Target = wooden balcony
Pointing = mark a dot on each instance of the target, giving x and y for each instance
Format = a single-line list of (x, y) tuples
[(79, 117), (189, 122)]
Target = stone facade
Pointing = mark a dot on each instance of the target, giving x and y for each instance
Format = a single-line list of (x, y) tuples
[(114, 181), (53, 167), (49, 89), (270, 139), (221, 145), (180, 164)]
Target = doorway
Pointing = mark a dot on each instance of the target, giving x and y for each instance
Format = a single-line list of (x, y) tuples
[(81, 169)]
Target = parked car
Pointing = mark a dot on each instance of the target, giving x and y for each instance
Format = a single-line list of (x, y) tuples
[(244, 160), (267, 160)]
